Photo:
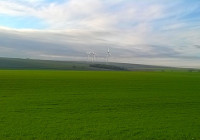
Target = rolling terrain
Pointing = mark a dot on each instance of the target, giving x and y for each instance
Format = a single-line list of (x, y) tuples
[(33, 64)]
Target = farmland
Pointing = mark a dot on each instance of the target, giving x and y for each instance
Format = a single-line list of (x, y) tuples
[(37, 64), (99, 105)]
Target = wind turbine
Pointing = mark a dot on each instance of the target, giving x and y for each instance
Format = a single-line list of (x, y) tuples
[(93, 56), (88, 55), (108, 55)]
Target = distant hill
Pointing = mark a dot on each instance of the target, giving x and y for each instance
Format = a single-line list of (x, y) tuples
[(34, 64)]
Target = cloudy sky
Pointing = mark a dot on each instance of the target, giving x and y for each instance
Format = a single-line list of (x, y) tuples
[(158, 32)]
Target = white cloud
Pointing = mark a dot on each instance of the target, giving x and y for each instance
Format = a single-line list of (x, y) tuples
[(13, 9), (133, 29), (87, 14)]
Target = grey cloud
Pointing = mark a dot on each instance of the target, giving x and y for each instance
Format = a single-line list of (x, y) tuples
[(73, 45)]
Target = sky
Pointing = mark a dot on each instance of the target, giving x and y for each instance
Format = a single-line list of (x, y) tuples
[(154, 32)]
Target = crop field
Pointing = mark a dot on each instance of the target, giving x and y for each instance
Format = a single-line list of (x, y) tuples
[(89, 105)]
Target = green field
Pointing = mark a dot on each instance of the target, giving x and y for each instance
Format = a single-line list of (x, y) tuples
[(61, 105)]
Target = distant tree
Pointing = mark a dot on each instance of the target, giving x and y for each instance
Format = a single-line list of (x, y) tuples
[(74, 67), (110, 67)]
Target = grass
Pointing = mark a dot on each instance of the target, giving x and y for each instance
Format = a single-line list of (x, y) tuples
[(58, 105)]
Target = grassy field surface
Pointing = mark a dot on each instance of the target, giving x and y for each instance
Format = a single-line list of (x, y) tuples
[(58, 105)]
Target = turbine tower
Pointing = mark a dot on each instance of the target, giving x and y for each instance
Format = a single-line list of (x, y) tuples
[(88, 56), (93, 56), (108, 55)]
